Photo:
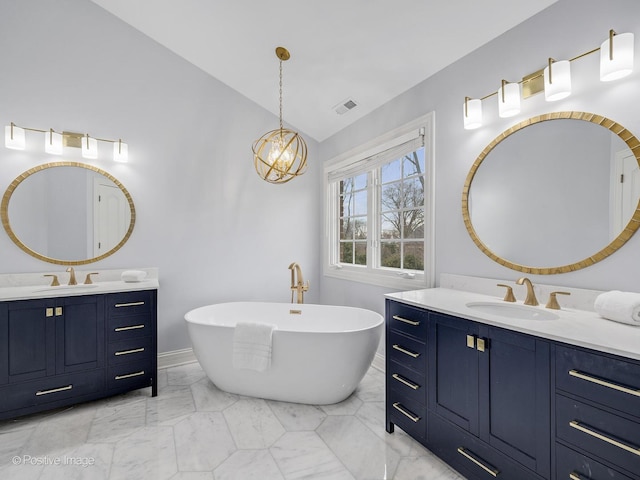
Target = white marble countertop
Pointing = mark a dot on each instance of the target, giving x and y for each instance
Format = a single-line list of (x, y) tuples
[(27, 286), (576, 327)]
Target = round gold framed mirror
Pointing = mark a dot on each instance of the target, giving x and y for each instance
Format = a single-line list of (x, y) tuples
[(67, 213), (555, 193)]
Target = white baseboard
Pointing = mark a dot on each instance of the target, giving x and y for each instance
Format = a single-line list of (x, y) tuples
[(175, 358), (378, 362)]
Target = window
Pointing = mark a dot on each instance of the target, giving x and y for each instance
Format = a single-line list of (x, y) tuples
[(378, 210)]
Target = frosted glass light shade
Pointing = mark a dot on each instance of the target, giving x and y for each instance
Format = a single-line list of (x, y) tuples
[(89, 148), (14, 137), (472, 113), (120, 152), (53, 143), (620, 64), (557, 82), (510, 105)]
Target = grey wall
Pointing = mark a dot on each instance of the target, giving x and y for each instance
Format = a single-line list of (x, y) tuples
[(216, 231), (564, 30)]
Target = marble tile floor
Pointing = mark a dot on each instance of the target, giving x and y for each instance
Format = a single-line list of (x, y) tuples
[(194, 431)]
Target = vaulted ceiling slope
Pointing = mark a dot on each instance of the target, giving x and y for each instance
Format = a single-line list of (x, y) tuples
[(368, 51)]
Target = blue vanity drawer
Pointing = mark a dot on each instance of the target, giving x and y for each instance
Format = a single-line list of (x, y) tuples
[(129, 350), (571, 464), (605, 435), (470, 456), (129, 303), (51, 389), (407, 319), (130, 326), (407, 382), (407, 351), (129, 376), (611, 381), (407, 414)]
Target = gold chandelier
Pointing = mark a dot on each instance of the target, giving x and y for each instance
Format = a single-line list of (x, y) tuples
[(280, 155)]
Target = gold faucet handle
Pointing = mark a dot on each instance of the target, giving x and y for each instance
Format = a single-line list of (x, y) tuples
[(87, 280), (508, 297), (553, 301), (54, 282)]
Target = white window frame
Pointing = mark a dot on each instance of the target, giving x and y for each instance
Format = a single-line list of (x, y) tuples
[(355, 160)]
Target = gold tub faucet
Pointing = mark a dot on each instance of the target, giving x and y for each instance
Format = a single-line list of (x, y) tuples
[(531, 295), (297, 283)]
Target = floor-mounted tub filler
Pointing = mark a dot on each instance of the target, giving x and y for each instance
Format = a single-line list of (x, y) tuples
[(319, 353)]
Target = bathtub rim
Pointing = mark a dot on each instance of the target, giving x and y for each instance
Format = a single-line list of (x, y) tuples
[(188, 317)]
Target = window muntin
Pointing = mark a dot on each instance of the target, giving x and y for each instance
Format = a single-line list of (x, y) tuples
[(352, 216)]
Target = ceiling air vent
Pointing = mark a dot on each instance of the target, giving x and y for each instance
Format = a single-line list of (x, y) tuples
[(344, 106)]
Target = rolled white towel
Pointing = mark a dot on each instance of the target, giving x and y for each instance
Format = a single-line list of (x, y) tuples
[(619, 306)]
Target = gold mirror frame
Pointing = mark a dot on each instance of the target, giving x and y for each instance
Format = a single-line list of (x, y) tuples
[(625, 135), (4, 212)]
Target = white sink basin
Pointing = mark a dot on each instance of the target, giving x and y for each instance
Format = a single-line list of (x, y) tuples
[(63, 288), (510, 310)]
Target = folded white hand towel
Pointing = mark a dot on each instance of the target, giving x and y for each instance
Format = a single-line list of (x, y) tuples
[(619, 306), (252, 346)]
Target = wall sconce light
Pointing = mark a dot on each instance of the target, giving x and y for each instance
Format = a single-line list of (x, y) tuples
[(616, 61), (280, 155), (54, 142)]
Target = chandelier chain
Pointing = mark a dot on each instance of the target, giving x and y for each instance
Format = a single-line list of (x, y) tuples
[(281, 95)]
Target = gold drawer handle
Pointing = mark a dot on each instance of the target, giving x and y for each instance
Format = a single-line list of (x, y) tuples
[(412, 417), (132, 327), (132, 304), (127, 352), (632, 449), (405, 381), (129, 375), (406, 352), (604, 383), (490, 470), (405, 320), (54, 390), (574, 476)]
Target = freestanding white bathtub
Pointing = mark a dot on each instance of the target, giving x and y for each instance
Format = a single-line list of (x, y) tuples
[(320, 353)]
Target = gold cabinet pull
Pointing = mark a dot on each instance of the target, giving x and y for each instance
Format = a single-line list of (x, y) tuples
[(604, 383), (405, 351), (405, 381), (127, 352), (49, 312), (471, 341), (53, 390), (411, 416), (574, 476), (629, 448), (482, 344), (132, 304), (405, 320), (494, 472), (129, 375), (131, 327), (58, 311)]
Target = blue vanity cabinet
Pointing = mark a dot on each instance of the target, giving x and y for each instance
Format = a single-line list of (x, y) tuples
[(56, 352), (597, 415), (52, 353), (406, 369), (494, 385), (131, 347)]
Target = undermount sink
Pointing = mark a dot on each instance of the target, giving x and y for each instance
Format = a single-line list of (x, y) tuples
[(65, 288), (510, 310)]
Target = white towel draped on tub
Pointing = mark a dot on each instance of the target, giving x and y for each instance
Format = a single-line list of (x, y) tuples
[(619, 306), (252, 346)]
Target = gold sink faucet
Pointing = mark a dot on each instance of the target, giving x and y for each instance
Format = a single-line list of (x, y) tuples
[(531, 295), (72, 276), (297, 283)]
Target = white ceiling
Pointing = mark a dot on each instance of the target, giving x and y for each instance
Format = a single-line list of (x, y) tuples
[(366, 50)]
